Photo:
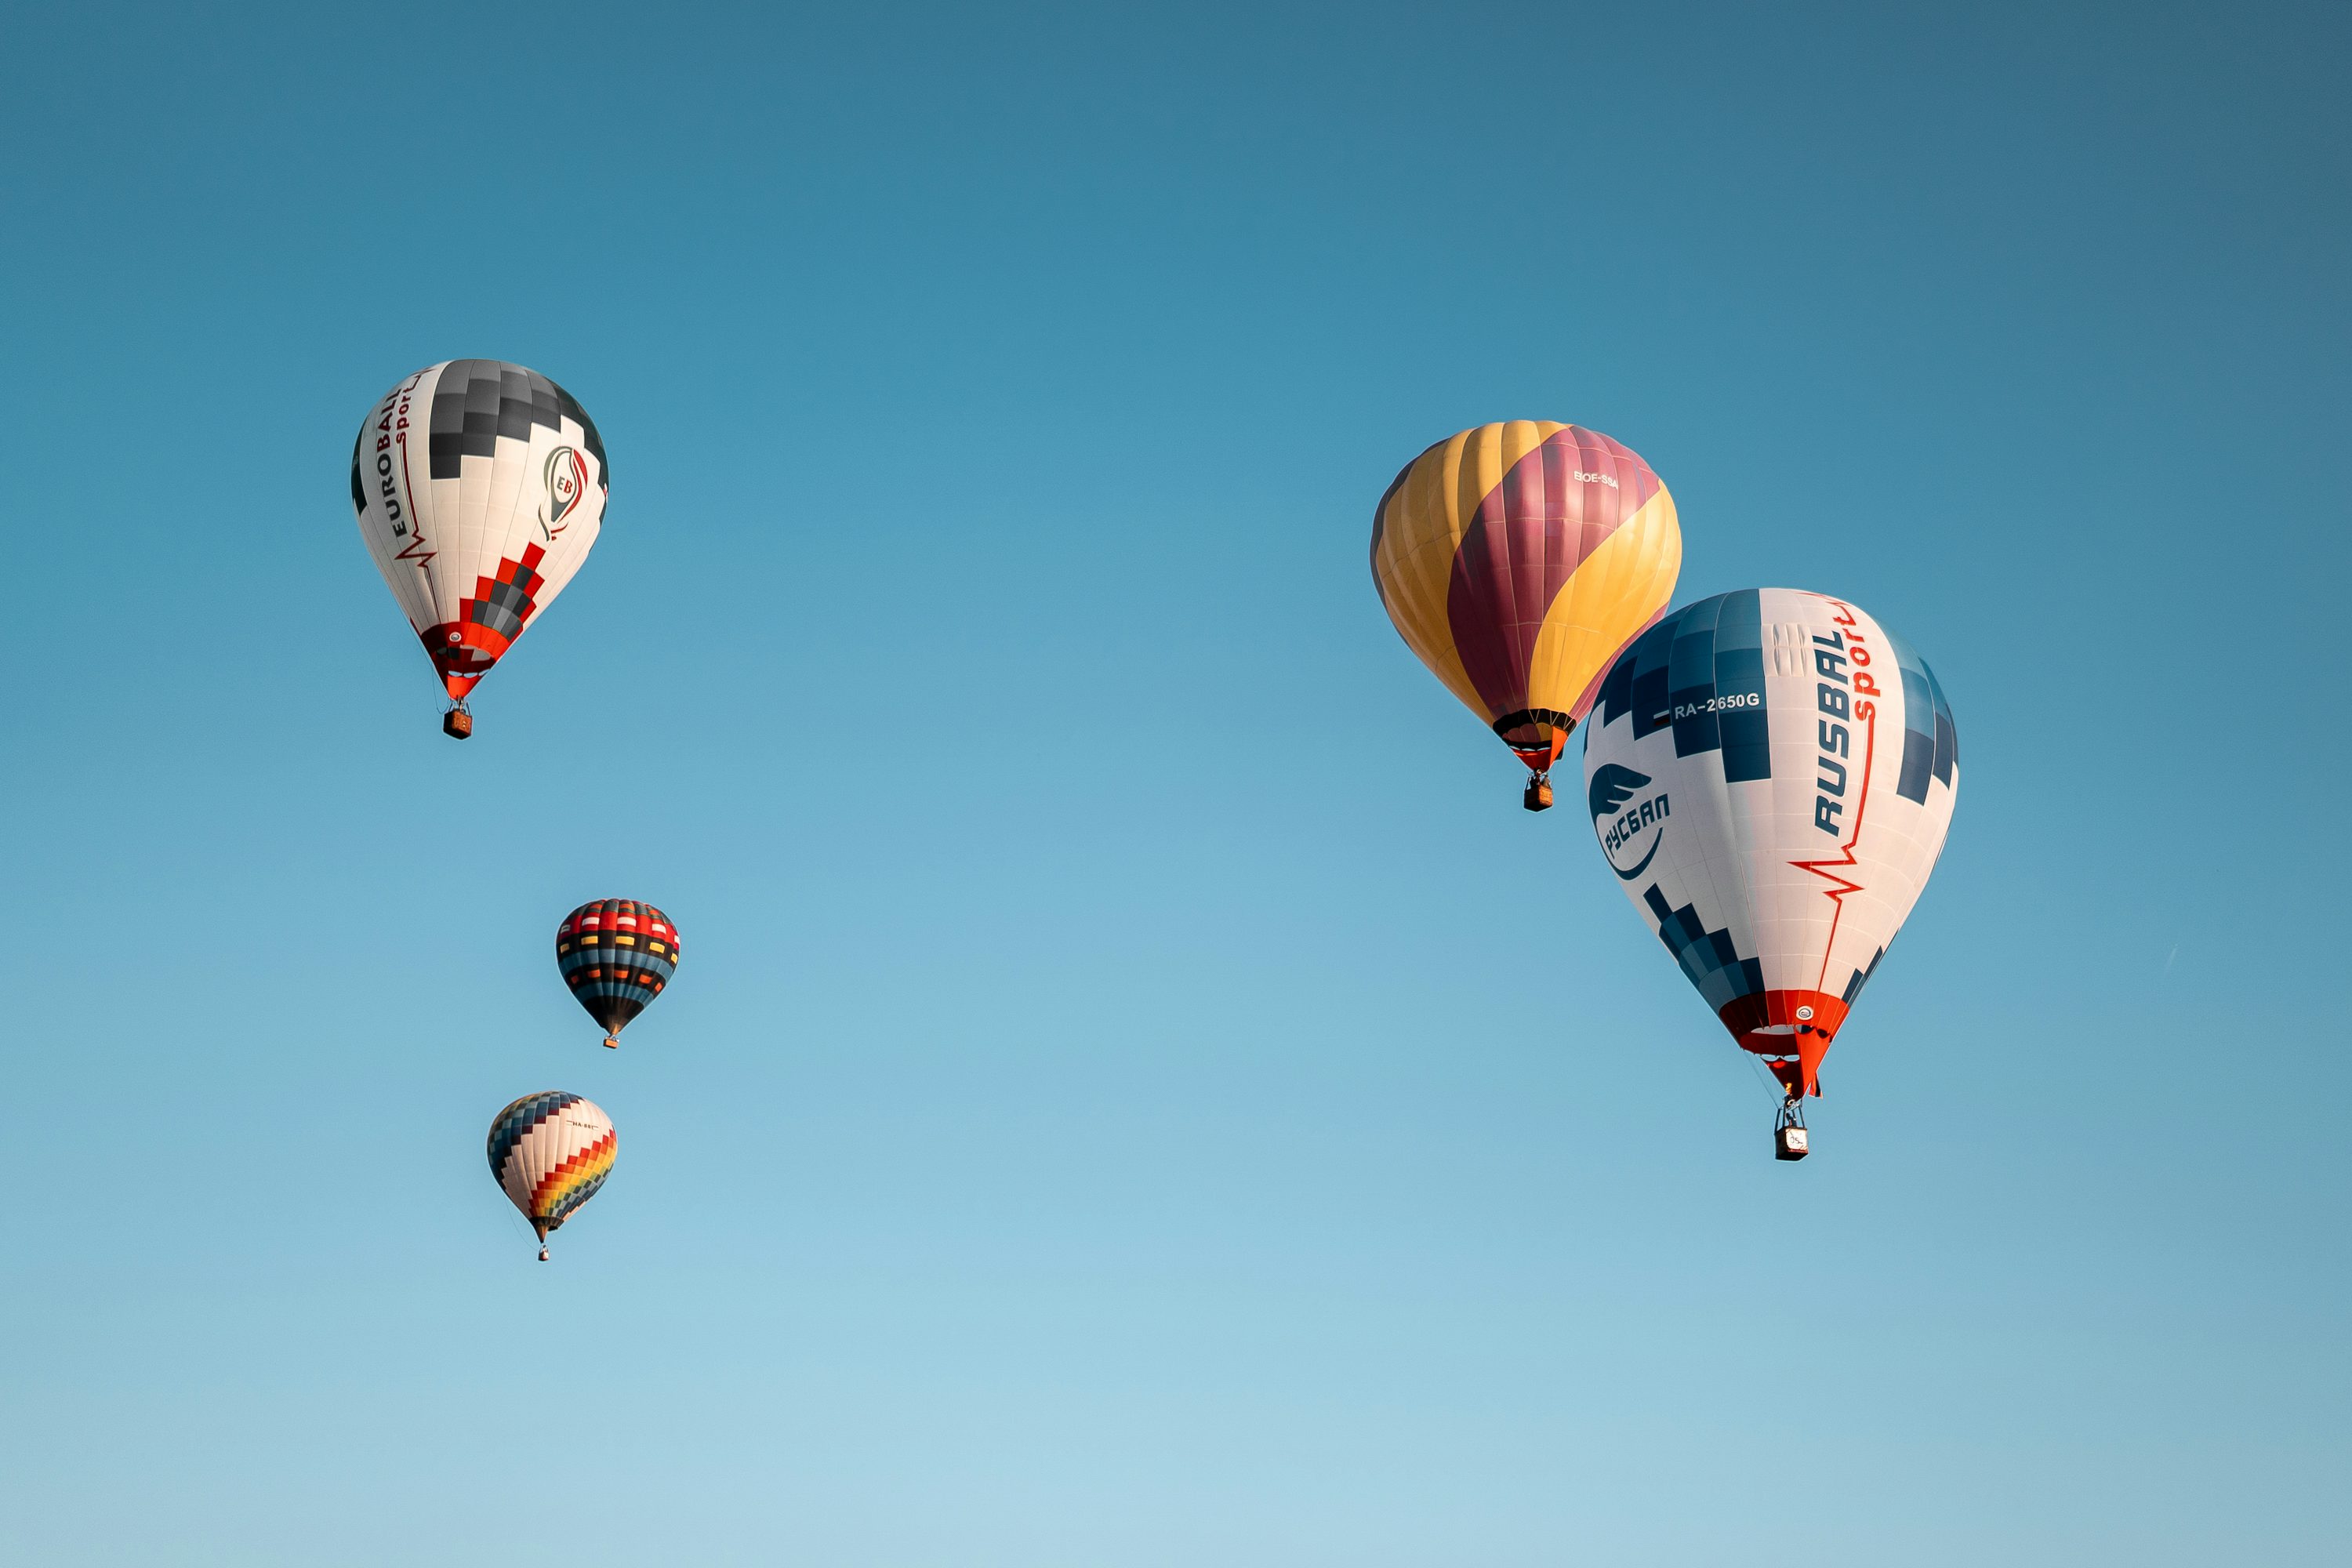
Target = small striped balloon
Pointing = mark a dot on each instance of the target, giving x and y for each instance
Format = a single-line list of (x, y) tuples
[(550, 1152), (616, 955), (1516, 559)]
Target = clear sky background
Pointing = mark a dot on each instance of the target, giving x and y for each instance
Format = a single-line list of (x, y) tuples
[(1139, 1091)]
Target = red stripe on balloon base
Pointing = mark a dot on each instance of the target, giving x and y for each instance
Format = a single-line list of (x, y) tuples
[(1800, 1024)]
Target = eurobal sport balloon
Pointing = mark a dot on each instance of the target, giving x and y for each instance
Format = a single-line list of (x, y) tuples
[(549, 1152), (479, 487), (1770, 775), (1514, 561), (616, 955)]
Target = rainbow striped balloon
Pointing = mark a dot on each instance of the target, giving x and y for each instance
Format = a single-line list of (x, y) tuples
[(550, 1151)]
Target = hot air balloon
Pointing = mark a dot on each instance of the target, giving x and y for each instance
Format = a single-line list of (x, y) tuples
[(549, 1152), (1770, 775), (616, 954), (479, 487), (1516, 559)]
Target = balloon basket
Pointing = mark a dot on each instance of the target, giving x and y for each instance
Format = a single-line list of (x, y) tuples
[(1788, 1139), (610, 1043), (457, 723), (1538, 795)]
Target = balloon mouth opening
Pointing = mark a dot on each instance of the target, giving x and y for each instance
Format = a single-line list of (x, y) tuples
[(1536, 736), (1792, 1030), (464, 652), (1783, 1039)]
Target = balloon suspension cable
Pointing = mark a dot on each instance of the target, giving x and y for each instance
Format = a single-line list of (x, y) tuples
[(1792, 1113)]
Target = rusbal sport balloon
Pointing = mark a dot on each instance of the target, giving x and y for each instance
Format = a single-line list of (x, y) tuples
[(1770, 775), (479, 487), (550, 1153), (616, 955), (1516, 559)]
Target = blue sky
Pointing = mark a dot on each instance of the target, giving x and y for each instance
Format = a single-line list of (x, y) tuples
[(1139, 1091)]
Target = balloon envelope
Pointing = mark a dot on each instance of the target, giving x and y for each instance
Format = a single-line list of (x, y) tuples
[(1516, 559), (616, 955), (479, 487), (1770, 775), (550, 1152)]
